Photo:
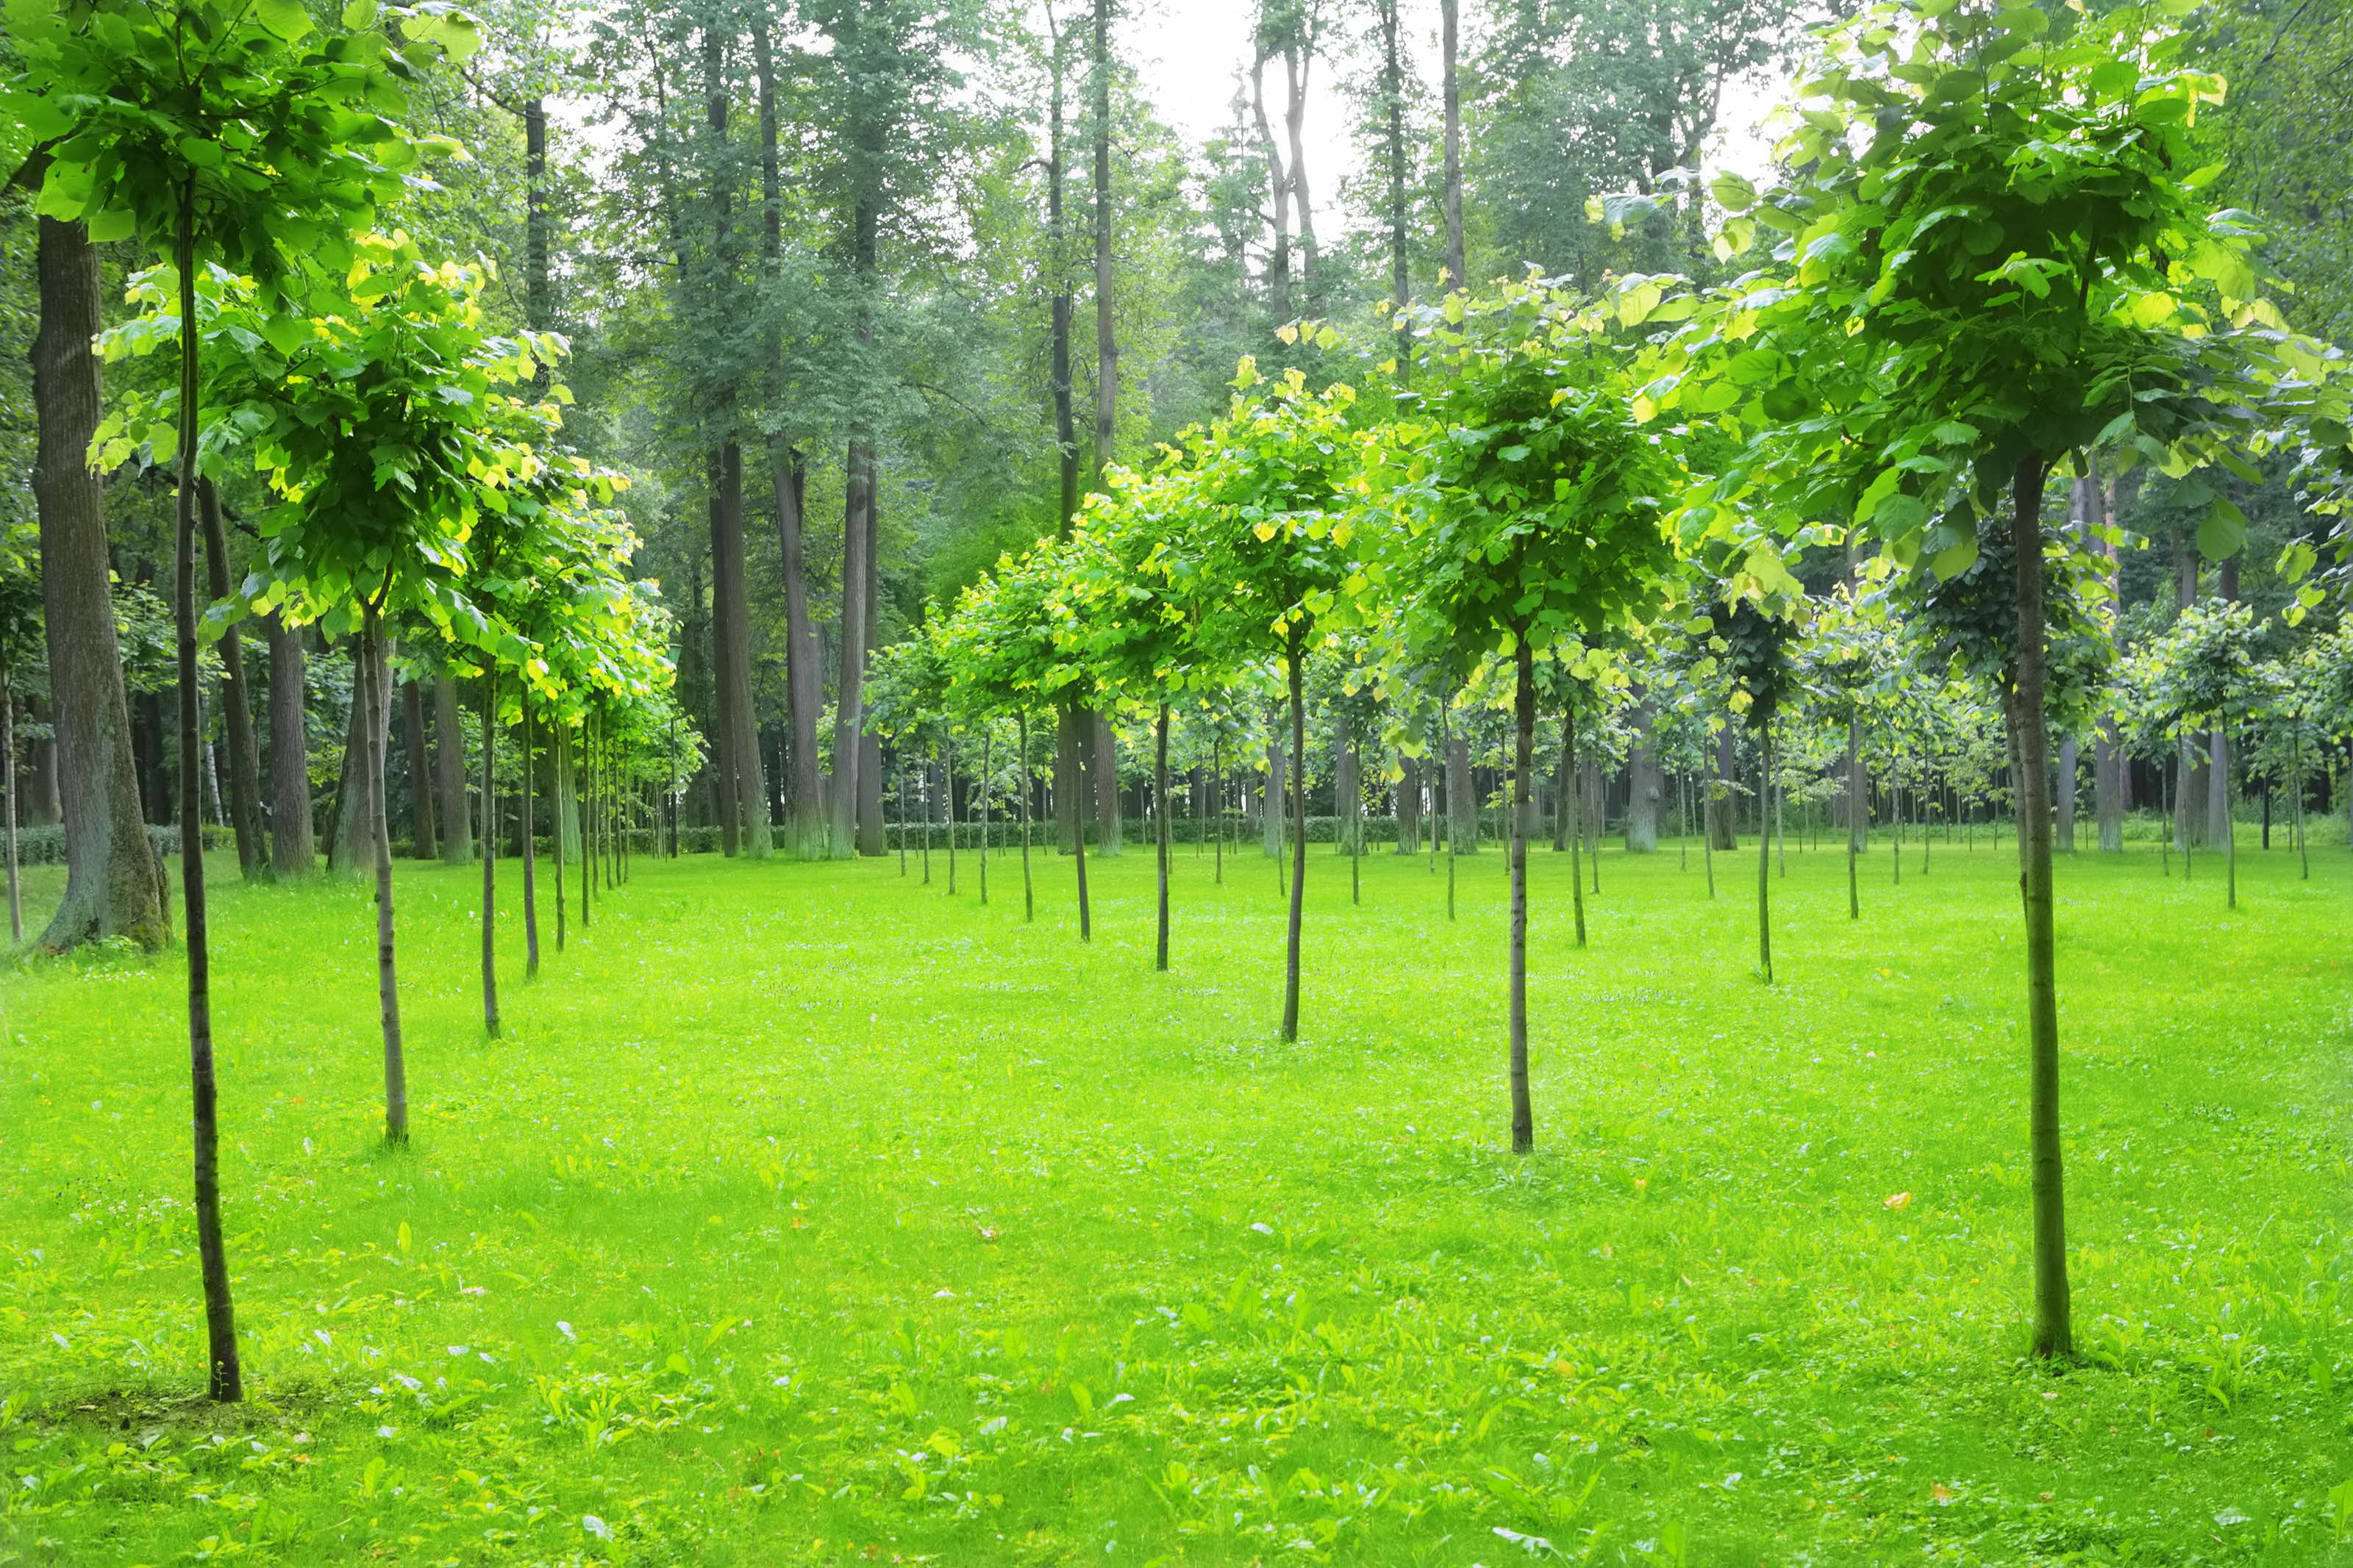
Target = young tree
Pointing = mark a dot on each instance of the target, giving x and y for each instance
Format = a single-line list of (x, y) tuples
[(1996, 258), (1535, 526)]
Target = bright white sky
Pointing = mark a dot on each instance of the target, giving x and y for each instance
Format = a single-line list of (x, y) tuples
[(1186, 52)]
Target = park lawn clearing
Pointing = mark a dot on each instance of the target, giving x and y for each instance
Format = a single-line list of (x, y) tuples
[(808, 1214)]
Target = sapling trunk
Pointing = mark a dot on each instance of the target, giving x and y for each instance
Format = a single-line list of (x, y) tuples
[(2296, 741), (530, 853), (1454, 815), (2054, 1326), (387, 979), (8, 782), (2165, 806), (1523, 710), (489, 850), (1218, 799), (1576, 805), (1160, 786), (1298, 658), (225, 1382), (1707, 838), (947, 805), (1683, 819), (1764, 862), (986, 776), (903, 771), (926, 776), (1029, 899), (1078, 807), (558, 773), (2229, 840)]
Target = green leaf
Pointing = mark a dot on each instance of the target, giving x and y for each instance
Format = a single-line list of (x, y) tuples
[(202, 154), (2224, 532), (114, 222), (360, 15), (287, 18)]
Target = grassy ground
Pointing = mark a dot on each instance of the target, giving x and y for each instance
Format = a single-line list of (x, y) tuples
[(807, 1214)]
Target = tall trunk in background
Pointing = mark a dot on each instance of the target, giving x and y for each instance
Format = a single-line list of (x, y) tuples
[(425, 836), (2192, 786), (1108, 805), (2090, 507), (1395, 160), (1461, 799), (1643, 783), (2054, 1325), (114, 884), (539, 299), (849, 710), (293, 852), (455, 820), (1408, 806), (804, 676), (2218, 742), (236, 699), (1450, 53), (869, 744), (367, 733), (2063, 798), (1524, 739), (1269, 815), (1723, 799), (1278, 178), (744, 798), (41, 804), (1298, 61), (1073, 735)]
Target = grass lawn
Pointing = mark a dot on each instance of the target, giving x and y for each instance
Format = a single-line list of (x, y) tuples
[(807, 1214)]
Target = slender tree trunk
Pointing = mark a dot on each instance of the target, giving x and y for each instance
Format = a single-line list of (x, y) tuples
[(489, 850), (1029, 898), (987, 734), (2053, 1328), (1160, 786), (114, 884), (849, 710), (560, 769), (387, 981), (1297, 653), (1764, 861), (226, 1380), (8, 783), (530, 847), (947, 805), (1574, 802), (1086, 917), (1450, 88), (1524, 711), (2062, 800)]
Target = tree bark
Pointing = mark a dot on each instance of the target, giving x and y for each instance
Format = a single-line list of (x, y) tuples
[(1724, 800), (236, 699), (1643, 785), (1461, 799), (114, 883), (2063, 799), (1160, 797), (848, 712), (374, 653), (455, 819), (1764, 860), (425, 837), (292, 850), (1524, 713), (1297, 661), (491, 850), (8, 784), (1408, 806), (227, 1382), (1451, 88), (1269, 815), (746, 797), (367, 733), (2053, 1327)]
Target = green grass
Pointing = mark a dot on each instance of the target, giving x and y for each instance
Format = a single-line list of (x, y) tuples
[(807, 1214)]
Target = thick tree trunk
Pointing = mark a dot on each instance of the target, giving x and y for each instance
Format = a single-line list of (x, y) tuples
[(1524, 713), (1724, 795), (236, 700), (367, 726), (869, 745), (1111, 826), (425, 837), (2054, 1326), (749, 804), (1269, 815), (292, 850), (456, 817), (1461, 799), (114, 884), (1408, 806), (1643, 786)]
